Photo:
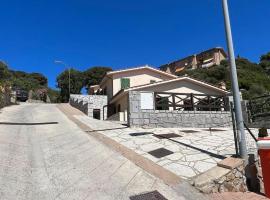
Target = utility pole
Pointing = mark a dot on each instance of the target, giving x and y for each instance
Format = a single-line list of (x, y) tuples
[(235, 86)]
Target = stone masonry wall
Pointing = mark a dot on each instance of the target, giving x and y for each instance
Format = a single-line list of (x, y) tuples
[(97, 102), (138, 117), (87, 103), (220, 179)]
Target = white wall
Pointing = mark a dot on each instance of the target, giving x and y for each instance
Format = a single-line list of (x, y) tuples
[(183, 86), (137, 77)]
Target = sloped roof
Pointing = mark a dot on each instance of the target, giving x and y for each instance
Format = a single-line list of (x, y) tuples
[(122, 92), (138, 68)]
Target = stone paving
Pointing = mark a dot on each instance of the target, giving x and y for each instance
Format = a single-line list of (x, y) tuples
[(194, 150)]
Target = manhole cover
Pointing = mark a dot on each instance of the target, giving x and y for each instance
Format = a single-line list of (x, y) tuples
[(140, 134), (189, 131), (167, 136), (154, 195), (161, 152)]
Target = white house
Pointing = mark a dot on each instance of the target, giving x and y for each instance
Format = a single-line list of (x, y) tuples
[(116, 85)]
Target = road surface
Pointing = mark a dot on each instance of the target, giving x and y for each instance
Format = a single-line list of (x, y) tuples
[(45, 156)]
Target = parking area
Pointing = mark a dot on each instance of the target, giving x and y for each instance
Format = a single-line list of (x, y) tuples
[(186, 152)]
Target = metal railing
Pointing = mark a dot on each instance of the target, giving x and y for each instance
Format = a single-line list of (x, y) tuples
[(259, 107)]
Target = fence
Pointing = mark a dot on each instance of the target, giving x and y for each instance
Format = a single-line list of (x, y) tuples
[(259, 107), (256, 112), (190, 102)]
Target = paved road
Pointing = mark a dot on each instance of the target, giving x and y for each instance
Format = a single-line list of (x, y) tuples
[(44, 156)]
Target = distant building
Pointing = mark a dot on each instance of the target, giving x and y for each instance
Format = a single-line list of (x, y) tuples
[(204, 59)]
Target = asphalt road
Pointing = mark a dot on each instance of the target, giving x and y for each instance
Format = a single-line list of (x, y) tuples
[(44, 156)]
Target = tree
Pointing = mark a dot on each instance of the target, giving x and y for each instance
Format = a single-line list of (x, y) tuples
[(54, 95), (94, 75), (265, 62), (40, 78), (4, 73), (76, 83), (251, 76)]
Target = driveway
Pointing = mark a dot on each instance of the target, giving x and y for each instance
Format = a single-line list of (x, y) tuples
[(44, 156)]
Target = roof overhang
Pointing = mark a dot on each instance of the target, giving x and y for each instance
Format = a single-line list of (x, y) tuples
[(147, 67), (122, 93)]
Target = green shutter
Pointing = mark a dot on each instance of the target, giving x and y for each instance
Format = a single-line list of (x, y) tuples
[(125, 83)]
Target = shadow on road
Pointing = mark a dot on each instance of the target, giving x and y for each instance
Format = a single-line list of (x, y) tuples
[(31, 123)]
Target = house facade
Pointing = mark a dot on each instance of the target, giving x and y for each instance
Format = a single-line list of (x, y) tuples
[(116, 86), (204, 59), (114, 82)]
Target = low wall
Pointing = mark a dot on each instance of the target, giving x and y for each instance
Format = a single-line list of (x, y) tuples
[(80, 102), (87, 104), (138, 117), (223, 178)]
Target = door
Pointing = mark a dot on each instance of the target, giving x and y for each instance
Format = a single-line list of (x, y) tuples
[(96, 114)]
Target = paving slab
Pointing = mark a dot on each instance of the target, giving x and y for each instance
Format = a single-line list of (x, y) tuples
[(196, 150)]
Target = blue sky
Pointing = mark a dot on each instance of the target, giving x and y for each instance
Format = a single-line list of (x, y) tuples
[(124, 33)]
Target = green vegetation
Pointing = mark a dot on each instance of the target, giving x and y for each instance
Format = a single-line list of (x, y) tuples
[(35, 82), (76, 83), (265, 62), (93, 75), (79, 80), (253, 78)]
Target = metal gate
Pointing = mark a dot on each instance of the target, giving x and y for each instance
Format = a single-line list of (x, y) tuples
[(259, 110)]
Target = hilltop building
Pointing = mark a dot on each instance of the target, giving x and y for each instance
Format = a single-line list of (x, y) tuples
[(204, 59)]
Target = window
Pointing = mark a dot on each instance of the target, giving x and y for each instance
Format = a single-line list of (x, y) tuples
[(125, 83), (152, 81)]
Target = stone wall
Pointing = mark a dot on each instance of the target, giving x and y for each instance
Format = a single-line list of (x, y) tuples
[(223, 178), (138, 117), (87, 104)]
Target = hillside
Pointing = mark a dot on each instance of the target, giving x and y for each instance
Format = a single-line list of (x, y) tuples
[(26, 81), (254, 79)]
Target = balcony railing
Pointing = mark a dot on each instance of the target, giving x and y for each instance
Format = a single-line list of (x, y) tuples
[(190, 101)]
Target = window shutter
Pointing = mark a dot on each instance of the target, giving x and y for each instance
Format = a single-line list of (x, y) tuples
[(125, 83)]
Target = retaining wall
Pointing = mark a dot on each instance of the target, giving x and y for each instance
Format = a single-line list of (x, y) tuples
[(138, 117), (87, 104), (225, 178)]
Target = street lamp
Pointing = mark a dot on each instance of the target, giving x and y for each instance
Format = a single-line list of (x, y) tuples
[(235, 86), (62, 63)]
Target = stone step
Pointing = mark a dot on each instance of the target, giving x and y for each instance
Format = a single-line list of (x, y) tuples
[(209, 176)]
